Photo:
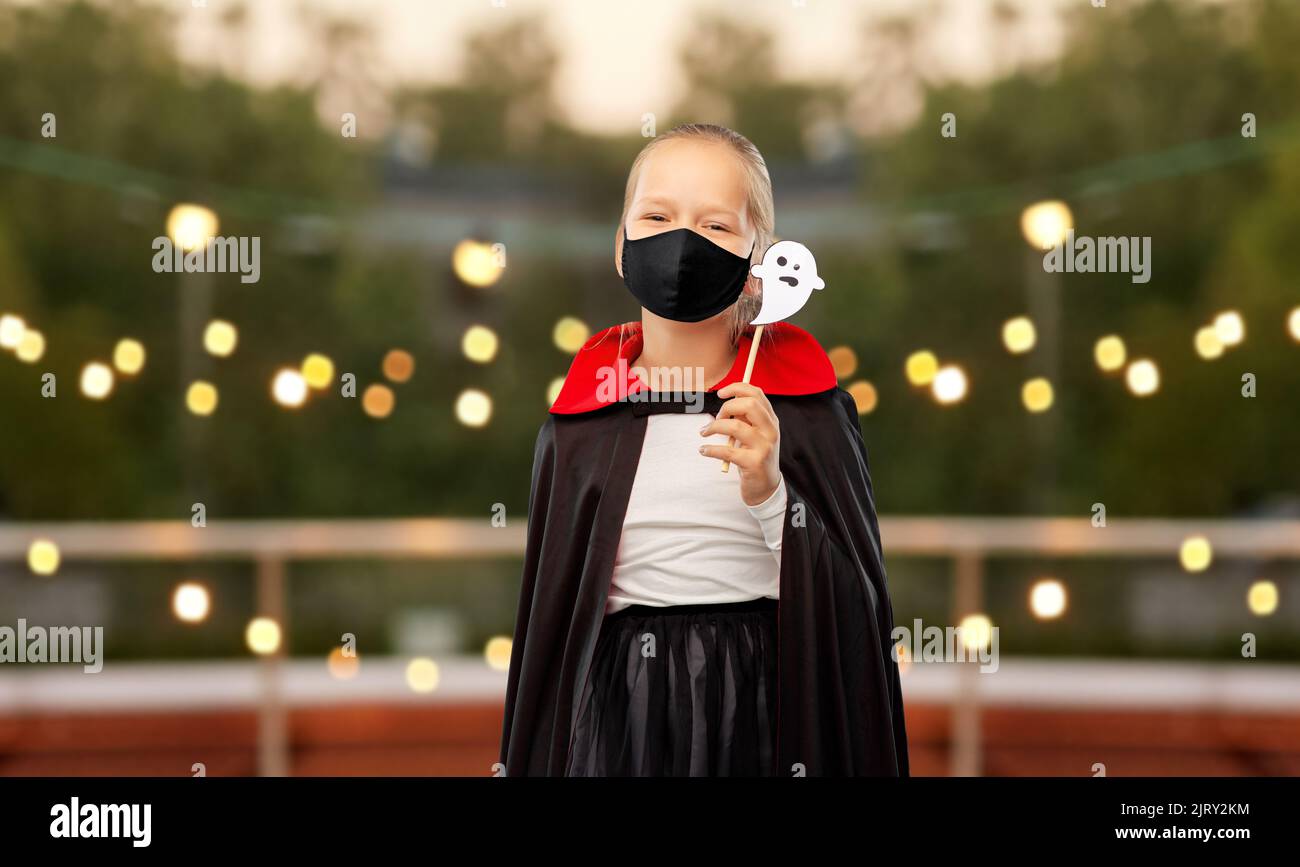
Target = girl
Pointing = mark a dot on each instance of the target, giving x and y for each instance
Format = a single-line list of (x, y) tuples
[(677, 620)]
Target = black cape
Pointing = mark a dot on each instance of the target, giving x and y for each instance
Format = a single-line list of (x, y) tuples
[(839, 702)]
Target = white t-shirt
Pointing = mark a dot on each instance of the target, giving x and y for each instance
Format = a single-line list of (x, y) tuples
[(688, 538)]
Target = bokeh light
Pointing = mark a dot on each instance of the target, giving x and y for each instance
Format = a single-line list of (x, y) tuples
[(191, 602), (422, 674), (949, 384), (1047, 599), (128, 356), (473, 408), (553, 390), (1230, 328), (864, 395), (377, 401), (921, 367), (570, 334), (11, 331), (1036, 394), (289, 388), (1018, 334), (1207, 343), (1262, 598), (1143, 377), (1044, 224), (31, 347), (497, 652), (343, 666), (476, 263), (1293, 323), (844, 361), (1109, 352), (262, 636), (976, 631), (399, 365), (317, 370), (43, 557), (1195, 554), (479, 344), (96, 380), (220, 338), (201, 398), (190, 226)]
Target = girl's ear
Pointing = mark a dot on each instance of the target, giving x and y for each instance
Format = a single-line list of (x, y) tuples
[(618, 250)]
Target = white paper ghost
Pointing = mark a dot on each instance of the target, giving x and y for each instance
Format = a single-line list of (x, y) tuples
[(789, 275)]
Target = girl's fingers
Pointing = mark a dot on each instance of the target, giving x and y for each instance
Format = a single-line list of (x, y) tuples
[(748, 409), (742, 458), (747, 434)]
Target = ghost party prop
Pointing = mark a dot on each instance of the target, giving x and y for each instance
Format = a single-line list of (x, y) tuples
[(789, 275)]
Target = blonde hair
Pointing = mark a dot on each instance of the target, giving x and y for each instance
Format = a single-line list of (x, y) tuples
[(758, 203)]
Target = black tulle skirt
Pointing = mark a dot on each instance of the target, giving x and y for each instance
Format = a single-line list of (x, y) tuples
[(682, 690)]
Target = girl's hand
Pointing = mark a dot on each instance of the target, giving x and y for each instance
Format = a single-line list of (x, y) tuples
[(748, 418)]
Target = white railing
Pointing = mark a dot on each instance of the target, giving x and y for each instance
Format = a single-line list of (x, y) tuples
[(272, 544)]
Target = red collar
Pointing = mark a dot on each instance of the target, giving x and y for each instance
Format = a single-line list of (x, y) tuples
[(790, 361)]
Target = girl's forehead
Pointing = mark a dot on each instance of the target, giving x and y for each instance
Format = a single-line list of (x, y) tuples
[(690, 171)]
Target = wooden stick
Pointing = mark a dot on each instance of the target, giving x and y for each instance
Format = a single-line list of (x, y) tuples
[(749, 369)]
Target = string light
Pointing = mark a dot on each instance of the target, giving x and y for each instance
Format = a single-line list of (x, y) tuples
[(191, 226)]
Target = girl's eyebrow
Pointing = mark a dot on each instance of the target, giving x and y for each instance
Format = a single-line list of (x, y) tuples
[(710, 208)]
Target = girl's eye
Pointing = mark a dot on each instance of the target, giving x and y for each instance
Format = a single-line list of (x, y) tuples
[(717, 226), (659, 217)]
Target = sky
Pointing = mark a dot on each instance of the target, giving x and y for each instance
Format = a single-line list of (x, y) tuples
[(619, 56)]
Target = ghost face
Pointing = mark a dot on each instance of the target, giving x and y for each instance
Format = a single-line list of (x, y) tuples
[(789, 275)]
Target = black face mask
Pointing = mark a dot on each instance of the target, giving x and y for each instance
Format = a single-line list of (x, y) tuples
[(682, 275)]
